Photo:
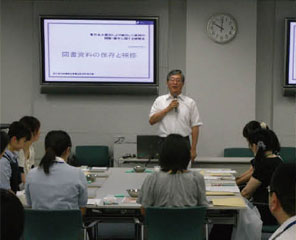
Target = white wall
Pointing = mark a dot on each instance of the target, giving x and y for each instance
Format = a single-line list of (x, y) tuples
[(221, 77), (272, 105), (90, 119)]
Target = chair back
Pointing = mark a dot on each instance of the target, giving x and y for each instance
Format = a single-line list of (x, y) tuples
[(238, 152), (92, 156), (175, 223), (288, 154), (269, 228), (53, 224)]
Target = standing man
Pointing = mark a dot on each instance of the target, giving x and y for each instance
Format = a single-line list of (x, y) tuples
[(176, 113), (282, 201)]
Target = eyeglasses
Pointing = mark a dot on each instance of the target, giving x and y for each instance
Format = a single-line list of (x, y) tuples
[(177, 80)]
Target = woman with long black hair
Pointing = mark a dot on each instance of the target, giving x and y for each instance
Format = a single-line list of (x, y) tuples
[(262, 142), (249, 128), (55, 184), (265, 145)]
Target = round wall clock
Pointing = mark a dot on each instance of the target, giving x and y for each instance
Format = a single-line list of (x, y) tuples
[(222, 28)]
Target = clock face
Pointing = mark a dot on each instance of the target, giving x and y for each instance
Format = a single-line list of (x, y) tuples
[(222, 28)]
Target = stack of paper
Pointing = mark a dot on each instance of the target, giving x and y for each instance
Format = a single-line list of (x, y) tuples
[(209, 177), (221, 171), (221, 174), (234, 189), (220, 194), (95, 201), (129, 200), (229, 202), (222, 183)]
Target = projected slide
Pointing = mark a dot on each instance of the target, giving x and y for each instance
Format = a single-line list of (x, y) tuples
[(292, 55), (111, 51)]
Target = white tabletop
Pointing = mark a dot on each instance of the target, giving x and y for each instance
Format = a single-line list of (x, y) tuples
[(121, 179), (199, 159), (115, 182)]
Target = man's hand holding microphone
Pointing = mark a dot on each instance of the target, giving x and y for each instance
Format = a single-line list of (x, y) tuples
[(174, 104)]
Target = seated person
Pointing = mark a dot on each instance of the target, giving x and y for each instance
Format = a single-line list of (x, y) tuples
[(248, 129), (9, 172), (282, 201), (26, 159), (55, 184), (187, 187), (261, 143), (11, 215)]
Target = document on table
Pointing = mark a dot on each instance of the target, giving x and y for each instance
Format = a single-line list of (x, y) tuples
[(229, 202), (94, 201), (222, 183), (220, 194), (221, 171), (221, 174), (207, 177), (233, 189)]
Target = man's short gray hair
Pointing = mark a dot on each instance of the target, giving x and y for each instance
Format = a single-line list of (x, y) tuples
[(176, 72)]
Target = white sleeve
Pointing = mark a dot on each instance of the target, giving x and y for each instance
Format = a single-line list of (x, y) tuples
[(195, 118), (32, 156), (155, 107), (83, 196), (21, 158), (5, 174)]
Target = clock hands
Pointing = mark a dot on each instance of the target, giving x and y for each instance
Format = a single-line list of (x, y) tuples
[(222, 20), (221, 27)]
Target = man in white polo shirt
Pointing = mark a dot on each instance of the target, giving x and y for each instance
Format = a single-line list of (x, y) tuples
[(176, 113)]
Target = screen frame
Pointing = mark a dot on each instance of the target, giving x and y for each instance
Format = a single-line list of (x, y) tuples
[(289, 89), (99, 87)]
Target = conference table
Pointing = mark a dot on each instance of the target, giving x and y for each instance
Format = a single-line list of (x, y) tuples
[(240, 164), (109, 200)]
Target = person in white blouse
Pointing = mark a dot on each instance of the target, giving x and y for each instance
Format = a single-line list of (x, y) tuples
[(176, 113), (55, 184), (282, 201), (26, 158)]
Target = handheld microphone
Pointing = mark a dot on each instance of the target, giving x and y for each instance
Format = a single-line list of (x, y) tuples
[(176, 98)]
